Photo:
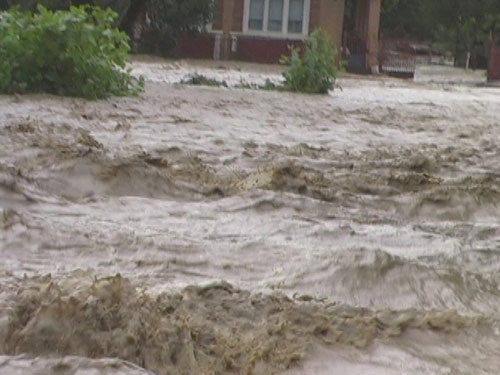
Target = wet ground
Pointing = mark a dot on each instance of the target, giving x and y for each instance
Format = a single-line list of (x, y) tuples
[(222, 230)]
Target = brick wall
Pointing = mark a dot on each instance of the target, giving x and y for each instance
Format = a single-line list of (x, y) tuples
[(314, 14), (263, 50), (228, 17), (238, 15), (197, 47), (329, 16)]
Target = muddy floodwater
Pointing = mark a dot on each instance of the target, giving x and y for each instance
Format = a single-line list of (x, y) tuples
[(206, 230)]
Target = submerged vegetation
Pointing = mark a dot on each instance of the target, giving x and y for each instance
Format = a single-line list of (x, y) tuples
[(312, 71), (201, 80), (154, 26), (198, 79), (315, 70), (74, 53)]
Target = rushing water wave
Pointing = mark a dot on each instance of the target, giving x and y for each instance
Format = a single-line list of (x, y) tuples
[(205, 230)]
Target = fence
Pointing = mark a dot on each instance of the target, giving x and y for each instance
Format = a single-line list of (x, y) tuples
[(397, 64), (399, 56)]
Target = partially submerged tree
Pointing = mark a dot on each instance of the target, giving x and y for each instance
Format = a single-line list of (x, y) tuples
[(154, 25), (72, 53)]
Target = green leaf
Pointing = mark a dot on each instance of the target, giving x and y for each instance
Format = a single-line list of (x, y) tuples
[(65, 53)]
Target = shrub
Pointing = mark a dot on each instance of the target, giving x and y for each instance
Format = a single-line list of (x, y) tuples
[(315, 70), (167, 19), (74, 53)]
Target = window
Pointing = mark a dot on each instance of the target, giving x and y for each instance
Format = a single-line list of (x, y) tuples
[(276, 17), (295, 16), (275, 21), (256, 16)]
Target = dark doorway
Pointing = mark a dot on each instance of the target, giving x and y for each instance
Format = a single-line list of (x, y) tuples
[(360, 34)]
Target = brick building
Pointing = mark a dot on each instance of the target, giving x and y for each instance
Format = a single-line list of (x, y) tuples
[(262, 30)]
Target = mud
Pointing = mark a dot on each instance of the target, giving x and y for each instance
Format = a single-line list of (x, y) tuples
[(222, 230), (214, 328)]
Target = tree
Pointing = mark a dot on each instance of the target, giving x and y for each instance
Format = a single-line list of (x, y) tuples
[(458, 26), (166, 20), (172, 18), (464, 25), (72, 53), (412, 16)]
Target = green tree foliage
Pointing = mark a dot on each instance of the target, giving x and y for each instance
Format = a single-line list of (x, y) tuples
[(315, 70), (408, 15), (168, 19), (172, 18), (350, 11), (458, 26), (74, 53), (493, 25), (31, 5)]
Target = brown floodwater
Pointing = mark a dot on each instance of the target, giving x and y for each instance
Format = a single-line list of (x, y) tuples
[(205, 230)]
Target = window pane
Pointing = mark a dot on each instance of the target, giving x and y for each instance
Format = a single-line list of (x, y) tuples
[(275, 15), (256, 17), (295, 16)]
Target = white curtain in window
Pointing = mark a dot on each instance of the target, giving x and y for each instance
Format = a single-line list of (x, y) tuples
[(295, 16), (256, 16), (275, 21)]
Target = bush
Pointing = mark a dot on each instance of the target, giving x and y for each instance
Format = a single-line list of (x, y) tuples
[(167, 20), (315, 71), (74, 53)]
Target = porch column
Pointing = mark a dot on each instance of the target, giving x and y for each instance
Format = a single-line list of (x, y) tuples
[(227, 27), (227, 15), (372, 37), (367, 28)]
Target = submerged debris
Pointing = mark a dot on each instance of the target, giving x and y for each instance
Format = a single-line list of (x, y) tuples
[(201, 80), (216, 328)]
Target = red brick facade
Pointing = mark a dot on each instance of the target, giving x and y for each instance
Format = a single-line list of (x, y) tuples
[(238, 15), (200, 47), (314, 15), (263, 50), (233, 42)]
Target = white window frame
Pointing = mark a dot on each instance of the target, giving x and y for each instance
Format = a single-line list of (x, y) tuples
[(284, 27)]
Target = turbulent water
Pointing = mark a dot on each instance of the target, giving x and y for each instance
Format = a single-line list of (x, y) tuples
[(197, 230)]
